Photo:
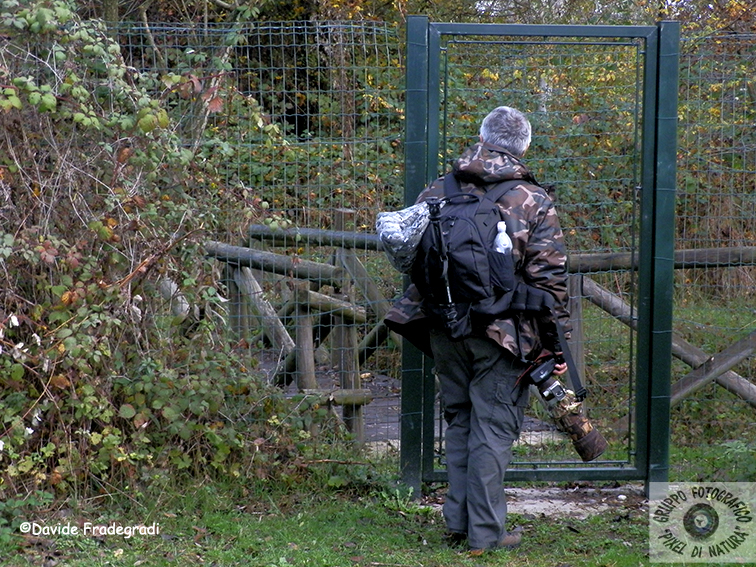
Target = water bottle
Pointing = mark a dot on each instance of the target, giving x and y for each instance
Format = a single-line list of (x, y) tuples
[(502, 242)]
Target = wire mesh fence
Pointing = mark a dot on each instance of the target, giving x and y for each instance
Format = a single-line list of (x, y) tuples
[(310, 117), (714, 300), (583, 99)]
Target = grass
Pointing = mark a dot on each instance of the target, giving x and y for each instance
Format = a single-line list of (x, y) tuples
[(366, 519), (343, 519), (329, 530), (364, 524)]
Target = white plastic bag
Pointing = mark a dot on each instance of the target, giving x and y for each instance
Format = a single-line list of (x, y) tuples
[(400, 233)]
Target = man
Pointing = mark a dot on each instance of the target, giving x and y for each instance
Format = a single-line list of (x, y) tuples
[(478, 375)]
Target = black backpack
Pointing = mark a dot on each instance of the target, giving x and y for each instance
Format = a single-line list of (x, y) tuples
[(465, 283)]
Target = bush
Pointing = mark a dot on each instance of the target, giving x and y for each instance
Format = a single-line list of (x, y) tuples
[(113, 359)]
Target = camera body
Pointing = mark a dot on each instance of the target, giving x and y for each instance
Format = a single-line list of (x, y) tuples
[(550, 388)]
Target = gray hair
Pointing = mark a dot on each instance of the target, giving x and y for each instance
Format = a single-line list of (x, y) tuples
[(507, 128)]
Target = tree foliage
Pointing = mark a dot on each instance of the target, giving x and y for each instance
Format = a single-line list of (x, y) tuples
[(118, 159)]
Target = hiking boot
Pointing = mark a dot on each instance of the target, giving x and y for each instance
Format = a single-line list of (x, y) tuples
[(510, 540), (455, 539)]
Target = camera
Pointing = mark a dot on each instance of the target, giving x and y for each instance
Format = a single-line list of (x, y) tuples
[(550, 388), (567, 411)]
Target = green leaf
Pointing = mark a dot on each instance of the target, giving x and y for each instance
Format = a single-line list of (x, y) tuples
[(59, 290), (170, 413), (63, 333), (17, 372), (337, 481), (48, 102), (148, 123), (127, 411), (162, 118)]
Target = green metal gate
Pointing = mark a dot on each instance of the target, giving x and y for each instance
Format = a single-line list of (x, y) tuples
[(603, 103)]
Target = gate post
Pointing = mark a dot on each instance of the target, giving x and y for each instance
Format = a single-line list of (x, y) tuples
[(661, 281), (415, 178)]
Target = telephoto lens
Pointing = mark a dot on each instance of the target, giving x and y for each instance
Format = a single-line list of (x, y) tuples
[(568, 415), (567, 412)]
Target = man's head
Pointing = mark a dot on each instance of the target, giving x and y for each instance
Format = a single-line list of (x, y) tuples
[(507, 128)]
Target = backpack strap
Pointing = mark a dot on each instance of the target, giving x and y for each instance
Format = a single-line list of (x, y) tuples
[(580, 392), (452, 187), (499, 190)]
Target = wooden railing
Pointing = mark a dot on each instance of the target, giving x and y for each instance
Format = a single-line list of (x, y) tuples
[(347, 273)]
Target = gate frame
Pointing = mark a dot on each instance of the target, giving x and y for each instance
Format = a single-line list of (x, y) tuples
[(656, 243)]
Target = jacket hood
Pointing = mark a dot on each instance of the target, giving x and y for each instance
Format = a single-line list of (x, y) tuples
[(484, 163)]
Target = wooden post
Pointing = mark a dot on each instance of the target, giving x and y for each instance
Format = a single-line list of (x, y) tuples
[(237, 313), (377, 302), (271, 325), (350, 313), (344, 342), (713, 368), (323, 274), (305, 348), (681, 349), (372, 341)]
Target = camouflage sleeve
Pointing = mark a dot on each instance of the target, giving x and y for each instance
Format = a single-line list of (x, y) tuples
[(539, 247), (406, 317)]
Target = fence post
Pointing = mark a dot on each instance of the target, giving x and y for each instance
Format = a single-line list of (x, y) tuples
[(416, 176), (344, 337), (577, 340), (305, 345)]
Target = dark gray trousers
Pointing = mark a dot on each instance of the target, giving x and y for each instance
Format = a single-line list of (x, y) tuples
[(484, 411)]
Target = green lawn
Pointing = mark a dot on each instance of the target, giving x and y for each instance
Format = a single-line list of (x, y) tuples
[(381, 527)]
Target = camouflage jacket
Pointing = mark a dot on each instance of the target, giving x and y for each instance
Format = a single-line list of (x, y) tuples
[(538, 250)]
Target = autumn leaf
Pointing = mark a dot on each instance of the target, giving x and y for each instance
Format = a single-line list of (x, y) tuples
[(60, 381), (185, 90), (209, 94), (215, 104), (124, 154), (47, 252), (55, 477), (140, 420), (68, 298)]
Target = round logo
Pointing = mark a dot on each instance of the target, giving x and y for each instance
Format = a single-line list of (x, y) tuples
[(701, 521), (709, 523)]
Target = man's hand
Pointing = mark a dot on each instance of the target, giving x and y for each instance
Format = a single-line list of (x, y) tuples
[(561, 366), (560, 369)]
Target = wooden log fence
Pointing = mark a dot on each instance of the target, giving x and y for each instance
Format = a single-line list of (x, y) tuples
[(297, 356), (705, 368), (344, 351), (336, 311), (280, 264), (578, 263), (272, 327)]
